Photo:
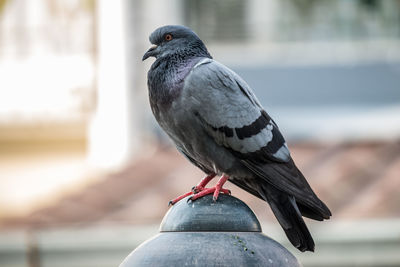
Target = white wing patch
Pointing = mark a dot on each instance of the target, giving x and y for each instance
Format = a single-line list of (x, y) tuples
[(283, 153)]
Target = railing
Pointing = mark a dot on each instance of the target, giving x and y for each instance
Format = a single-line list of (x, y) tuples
[(358, 243)]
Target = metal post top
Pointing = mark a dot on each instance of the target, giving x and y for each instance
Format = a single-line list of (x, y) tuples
[(227, 214), (208, 233)]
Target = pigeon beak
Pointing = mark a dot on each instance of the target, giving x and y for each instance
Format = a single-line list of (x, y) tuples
[(150, 53)]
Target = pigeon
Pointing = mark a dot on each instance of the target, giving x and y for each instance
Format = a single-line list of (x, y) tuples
[(216, 121)]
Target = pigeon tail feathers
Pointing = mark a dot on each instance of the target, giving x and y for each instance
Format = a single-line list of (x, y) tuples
[(289, 217)]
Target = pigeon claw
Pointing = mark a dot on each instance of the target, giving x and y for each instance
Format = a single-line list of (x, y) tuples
[(196, 189), (199, 190), (208, 191), (222, 190), (175, 200), (204, 192), (216, 190)]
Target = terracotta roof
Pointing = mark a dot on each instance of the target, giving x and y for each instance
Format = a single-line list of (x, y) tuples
[(356, 180)]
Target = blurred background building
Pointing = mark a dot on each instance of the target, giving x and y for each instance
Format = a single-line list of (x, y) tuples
[(86, 174)]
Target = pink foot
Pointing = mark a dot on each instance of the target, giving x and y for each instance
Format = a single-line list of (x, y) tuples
[(195, 189), (199, 190), (216, 190), (212, 190)]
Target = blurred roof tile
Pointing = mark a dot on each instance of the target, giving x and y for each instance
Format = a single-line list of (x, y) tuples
[(356, 180)]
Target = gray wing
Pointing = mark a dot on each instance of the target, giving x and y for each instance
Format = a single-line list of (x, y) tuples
[(231, 114)]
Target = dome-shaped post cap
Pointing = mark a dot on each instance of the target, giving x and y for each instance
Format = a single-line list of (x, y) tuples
[(208, 233), (227, 214)]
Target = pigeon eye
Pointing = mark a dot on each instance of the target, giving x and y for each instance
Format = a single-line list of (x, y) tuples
[(168, 37)]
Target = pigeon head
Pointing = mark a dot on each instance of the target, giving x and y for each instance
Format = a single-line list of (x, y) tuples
[(175, 40)]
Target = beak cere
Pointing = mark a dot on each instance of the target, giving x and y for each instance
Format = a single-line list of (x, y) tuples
[(150, 53)]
